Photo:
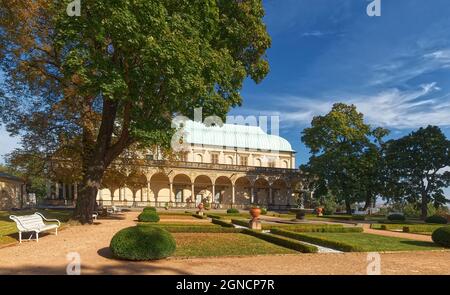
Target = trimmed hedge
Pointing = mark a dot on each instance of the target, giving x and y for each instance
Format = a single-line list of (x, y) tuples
[(199, 216), (358, 217), (232, 211), (299, 227), (241, 222), (316, 240), (150, 209), (175, 213), (441, 236), (313, 229), (222, 223), (396, 217), (421, 228), (282, 241), (436, 219), (148, 216), (142, 243), (214, 216), (202, 229)]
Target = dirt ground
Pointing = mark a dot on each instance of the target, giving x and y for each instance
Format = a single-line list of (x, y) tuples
[(49, 256)]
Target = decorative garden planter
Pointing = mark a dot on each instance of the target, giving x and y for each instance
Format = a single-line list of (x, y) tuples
[(319, 211), (200, 209), (300, 213), (255, 212), (255, 223)]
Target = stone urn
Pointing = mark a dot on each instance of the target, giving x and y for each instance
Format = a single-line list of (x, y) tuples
[(200, 209), (319, 211), (255, 212), (255, 223)]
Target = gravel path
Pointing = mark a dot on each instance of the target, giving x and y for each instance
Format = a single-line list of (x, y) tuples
[(48, 256)]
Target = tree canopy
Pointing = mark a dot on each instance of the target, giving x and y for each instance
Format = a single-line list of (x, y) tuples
[(416, 168), (92, 86), (345, 155)]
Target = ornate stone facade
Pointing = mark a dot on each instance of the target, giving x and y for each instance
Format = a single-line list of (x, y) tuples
[(228, 166)]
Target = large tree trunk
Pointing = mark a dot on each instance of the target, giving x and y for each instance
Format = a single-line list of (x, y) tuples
[(368, 203), (98, 153), (86, 202), (424, 207), (348, 207)]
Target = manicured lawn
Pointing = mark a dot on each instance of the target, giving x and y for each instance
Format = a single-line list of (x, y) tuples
[(224, 244), (369, 242), (8, 227)]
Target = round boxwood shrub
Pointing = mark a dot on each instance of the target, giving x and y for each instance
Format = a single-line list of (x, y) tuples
[(436, 219), (263, 211), (150, 209), (148, 216), (396, 217), (142, 243), (441, 236), (232, 211)]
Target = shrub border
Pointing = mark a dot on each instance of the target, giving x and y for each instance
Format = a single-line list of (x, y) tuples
[(316, 240), (222, 223), (282, 241)]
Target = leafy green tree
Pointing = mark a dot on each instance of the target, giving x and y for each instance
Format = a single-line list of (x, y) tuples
[(92, 86), (415, 166), (345, 154)]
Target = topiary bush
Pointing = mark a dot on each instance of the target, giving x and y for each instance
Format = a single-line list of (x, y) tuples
[(436, 219), (150, 209), (142, 243), (441, 236), (263, 211), (232, 211), (396, 217), (148, 216)]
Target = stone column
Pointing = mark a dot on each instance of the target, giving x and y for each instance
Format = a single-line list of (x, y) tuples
[(252, 196), (56, 190), (171, 192), (233, 189), (64, 190), (270, 195), (70, 192), (213, 193), (49, 189), (120, 194), (148, 191), (193, 193), (75, 191)]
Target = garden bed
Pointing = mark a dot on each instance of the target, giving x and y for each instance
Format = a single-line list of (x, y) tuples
[(220, 244), (361, 242)]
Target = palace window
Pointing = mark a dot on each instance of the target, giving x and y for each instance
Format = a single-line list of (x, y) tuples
[(182, 157), (215, 158), (244, 160)]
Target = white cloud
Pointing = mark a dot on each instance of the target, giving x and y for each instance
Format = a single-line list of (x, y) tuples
[(392, 108), (313, 34), (407, 67)]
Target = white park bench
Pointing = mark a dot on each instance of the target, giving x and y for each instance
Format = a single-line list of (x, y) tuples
[(114, 210), (34, 223)]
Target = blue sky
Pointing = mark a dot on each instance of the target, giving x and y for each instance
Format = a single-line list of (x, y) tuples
[(395, 68)]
